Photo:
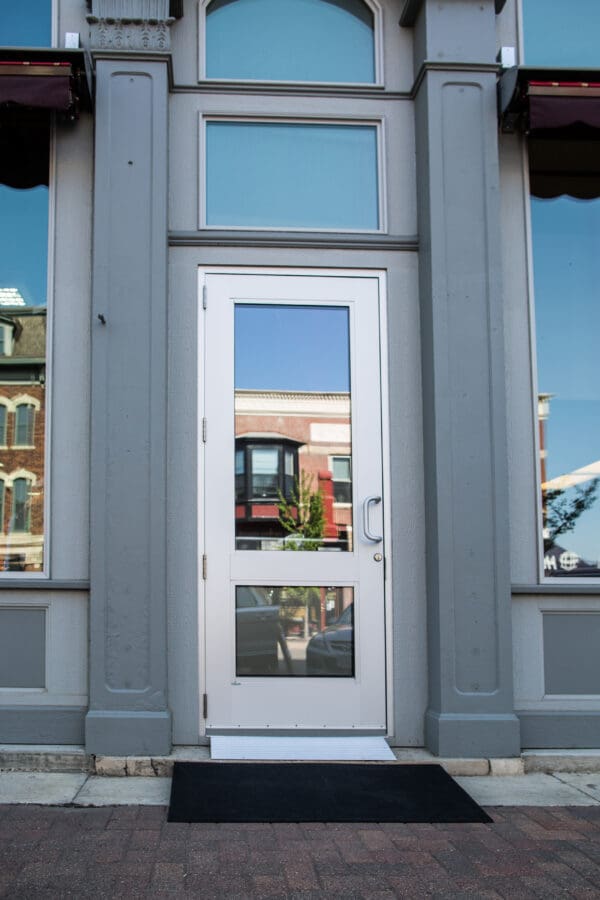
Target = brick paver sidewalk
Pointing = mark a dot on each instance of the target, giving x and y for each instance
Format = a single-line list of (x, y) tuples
[(134, 852)]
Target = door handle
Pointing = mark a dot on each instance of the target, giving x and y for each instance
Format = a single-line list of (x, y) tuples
[(375, 538)]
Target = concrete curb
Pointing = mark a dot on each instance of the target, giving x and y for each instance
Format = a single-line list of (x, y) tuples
[(66, 759)]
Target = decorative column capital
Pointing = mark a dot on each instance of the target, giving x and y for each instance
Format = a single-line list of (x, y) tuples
[(130, 25)]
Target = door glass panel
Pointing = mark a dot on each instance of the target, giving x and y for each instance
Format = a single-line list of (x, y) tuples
[(292, 414), (294, 631), (292, 175)]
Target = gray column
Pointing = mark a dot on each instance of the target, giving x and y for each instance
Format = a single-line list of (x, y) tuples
[(470, 709), (128, 653)]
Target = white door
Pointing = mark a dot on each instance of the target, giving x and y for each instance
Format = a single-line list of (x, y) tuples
[(292, 488)]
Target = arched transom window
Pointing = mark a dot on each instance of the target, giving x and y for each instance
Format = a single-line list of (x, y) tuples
[(290, 40)]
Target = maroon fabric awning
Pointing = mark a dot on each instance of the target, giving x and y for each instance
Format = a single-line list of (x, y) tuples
[(563, 105), (549, 100), (36, 85)]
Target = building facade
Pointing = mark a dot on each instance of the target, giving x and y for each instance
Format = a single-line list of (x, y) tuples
[(298, 391)]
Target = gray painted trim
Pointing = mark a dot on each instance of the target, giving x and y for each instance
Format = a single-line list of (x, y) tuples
[(469, 736), (29, 584), (42, 724), (293, 732), (409, 13), (128, 733), (305, 240), (412, 8), (459, 67), (138, 56), (567, 588), (570, 729), (288, 90)]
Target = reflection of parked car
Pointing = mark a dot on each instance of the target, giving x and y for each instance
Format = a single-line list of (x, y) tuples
[(331, 652), (257, 631)]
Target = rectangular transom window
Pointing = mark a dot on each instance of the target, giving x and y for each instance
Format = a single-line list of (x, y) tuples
[(292, 175)]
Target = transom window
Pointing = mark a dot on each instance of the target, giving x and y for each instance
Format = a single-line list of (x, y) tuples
[(290, 40), (292, 175)]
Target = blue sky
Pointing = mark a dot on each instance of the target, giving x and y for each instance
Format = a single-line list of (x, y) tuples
[(24, 242), (291, 348), (559, 34), (26, 23)]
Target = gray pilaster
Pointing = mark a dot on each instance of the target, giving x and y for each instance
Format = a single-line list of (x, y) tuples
[(470, 709), (128, 663)]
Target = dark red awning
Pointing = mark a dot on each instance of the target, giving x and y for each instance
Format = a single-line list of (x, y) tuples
[(36, 85), (563, 105), (549, 100)]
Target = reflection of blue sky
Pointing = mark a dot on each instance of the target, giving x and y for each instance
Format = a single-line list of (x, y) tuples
[(559, 34), (24, 242), (566, 247), (282, 175), (290, 40), (291, 348), (26, 23)]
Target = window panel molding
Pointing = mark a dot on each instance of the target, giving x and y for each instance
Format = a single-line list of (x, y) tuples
[(378, 57), (376, 123)]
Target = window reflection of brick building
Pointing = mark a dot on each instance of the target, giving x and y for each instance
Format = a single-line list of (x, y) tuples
[(284, 438), (22, 429)]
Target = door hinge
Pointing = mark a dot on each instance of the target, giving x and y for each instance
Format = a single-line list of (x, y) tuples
[(205, 706), (204, 566), (204, 297), (204, 430)]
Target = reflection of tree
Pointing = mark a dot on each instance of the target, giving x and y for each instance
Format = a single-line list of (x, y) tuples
[(303, 515), (300, 609), (561, 510)]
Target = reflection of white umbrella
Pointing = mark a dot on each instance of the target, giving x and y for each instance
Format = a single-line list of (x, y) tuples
[(579, 476)]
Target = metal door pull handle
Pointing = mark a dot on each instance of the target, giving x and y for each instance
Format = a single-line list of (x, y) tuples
[(376, 538)]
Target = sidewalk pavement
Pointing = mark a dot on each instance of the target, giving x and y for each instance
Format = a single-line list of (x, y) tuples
[(74, 835), (132, 851)]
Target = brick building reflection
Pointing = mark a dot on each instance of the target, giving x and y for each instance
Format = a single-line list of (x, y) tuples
[(22, 429), (284, 438)]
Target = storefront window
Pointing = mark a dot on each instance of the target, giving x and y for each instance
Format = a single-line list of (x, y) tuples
[(23, 288), (566, 244)]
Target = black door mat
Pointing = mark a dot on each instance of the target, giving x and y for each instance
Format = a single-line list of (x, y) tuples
[(318, 792)]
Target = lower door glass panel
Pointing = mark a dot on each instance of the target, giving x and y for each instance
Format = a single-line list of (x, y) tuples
[(295, 631)]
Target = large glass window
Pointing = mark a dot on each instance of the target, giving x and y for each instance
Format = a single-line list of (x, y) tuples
[(290, 40), (557, 34), (292, 175), (23, 276), (26, 23), (566, 244)]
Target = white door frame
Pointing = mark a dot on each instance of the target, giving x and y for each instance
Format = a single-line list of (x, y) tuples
[(380, 276)]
